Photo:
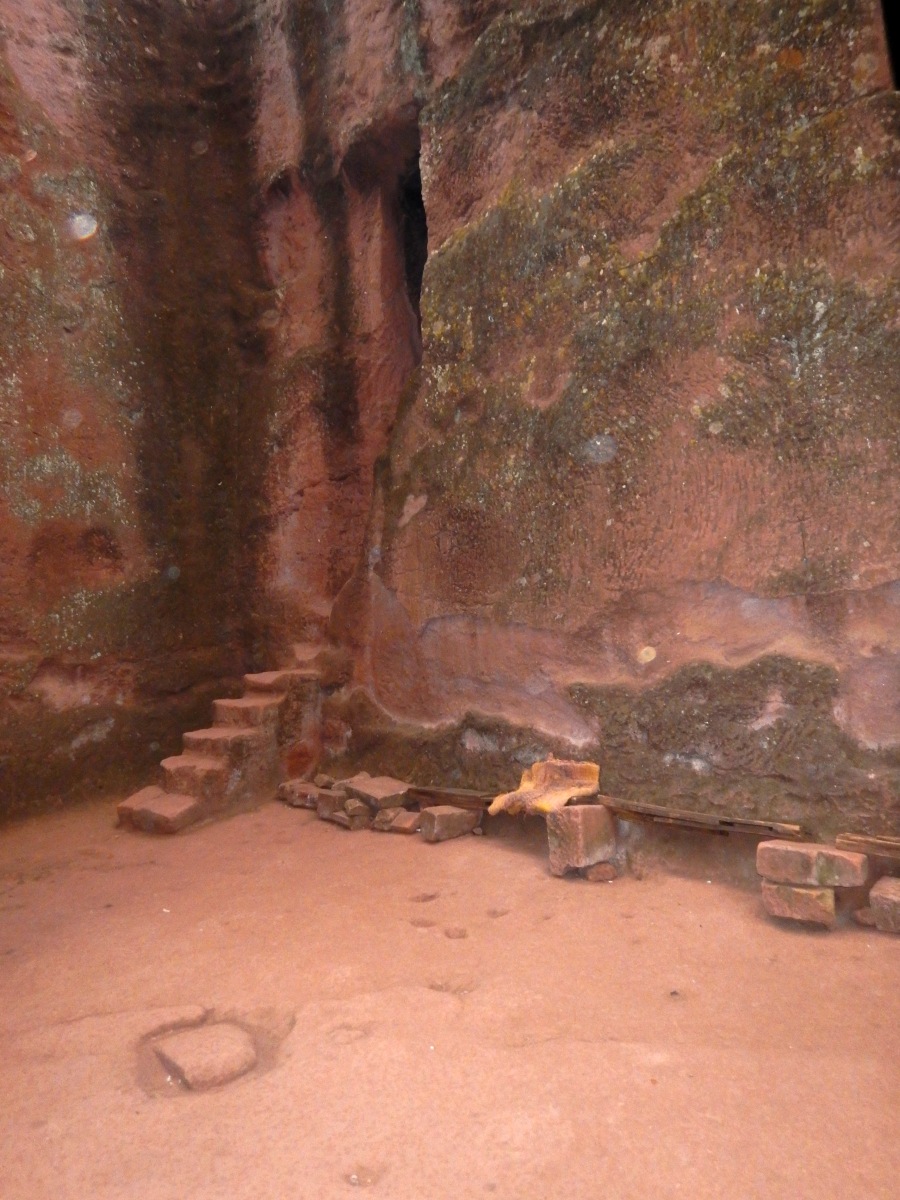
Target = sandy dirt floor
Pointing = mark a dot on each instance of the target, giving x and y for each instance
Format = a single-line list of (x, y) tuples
[(435, 1021)]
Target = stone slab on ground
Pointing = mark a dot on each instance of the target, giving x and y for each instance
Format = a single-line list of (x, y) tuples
[(813, 905), (443, 822), (811, 864), (885, 901), (602, 872), (359, 813), (329, 803), (208, 1056), (154, 811), (299, 793), (379, 791), (407, 821), (385, 817), (580, 835)]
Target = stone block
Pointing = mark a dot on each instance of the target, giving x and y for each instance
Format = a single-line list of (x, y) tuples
[(359, 813), (329, 803), (155, 811), (885, 901), (580, 835), (384, 818), (299, 793), (380, 791), (409, 822), (602, 872), (814, 905), (443, 822), (207, 1057), (811, 864), (865, 917)]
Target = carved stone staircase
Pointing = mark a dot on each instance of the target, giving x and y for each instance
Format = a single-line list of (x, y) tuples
[(254, 741)]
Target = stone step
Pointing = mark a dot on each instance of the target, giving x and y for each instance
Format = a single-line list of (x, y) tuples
[(259, 710), (233, 742), (197, 775), (155, 811), (282, 681)]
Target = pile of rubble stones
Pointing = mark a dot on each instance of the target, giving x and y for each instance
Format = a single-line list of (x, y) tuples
[(378, 802)]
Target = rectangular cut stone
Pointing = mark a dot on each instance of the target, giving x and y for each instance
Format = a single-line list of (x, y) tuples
[(301, 794), (884, 900), (815, 905), (407, 822), (156, 811), (811, 864), (580, 835), (330, 803), (385, 817), (380, 791), (443, 822)]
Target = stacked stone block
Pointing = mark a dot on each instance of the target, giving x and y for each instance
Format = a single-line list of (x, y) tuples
[(806, 881)]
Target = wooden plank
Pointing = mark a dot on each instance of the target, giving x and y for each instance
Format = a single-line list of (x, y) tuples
[(430, 797), (636, 810), (862, 843)]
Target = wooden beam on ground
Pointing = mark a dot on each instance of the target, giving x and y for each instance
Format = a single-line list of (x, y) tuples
[(431, 797), (635, 810), (628, 810), (862, 843)]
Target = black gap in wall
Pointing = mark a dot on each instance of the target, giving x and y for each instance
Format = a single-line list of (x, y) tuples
[(891, 11), (414, 233)]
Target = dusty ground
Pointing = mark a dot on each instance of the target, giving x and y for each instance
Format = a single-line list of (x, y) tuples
[(647, 1038)]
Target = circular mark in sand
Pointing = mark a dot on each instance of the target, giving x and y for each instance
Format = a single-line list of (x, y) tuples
[(422, 923), (497, 912), (424, 897), (208, 1056), (455, 932)]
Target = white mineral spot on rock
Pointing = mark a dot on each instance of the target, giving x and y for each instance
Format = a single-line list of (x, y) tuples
[(71, 418), (646, 654), (412, 508), (82, 226), (600, 450), (208, 1056)]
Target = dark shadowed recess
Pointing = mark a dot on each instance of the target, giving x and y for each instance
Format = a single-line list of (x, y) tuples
[(178, 94), (891, 11)]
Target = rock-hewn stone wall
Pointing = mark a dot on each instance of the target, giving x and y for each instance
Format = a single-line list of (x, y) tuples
[(632, 489), (643, 495)]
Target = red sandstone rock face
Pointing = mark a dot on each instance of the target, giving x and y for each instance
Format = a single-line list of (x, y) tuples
[(653, 446), (650, 450)]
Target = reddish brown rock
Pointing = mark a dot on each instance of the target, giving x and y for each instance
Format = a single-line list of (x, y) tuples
[(865, 917), (811, 864), (385, 817), (330, 803), (885, 901), (443, 821), (814, 905), (410, 822), (207, 1057), (378, 792), (602, 872), (580, 835), (299, 793), (359, 813), (155, 811)]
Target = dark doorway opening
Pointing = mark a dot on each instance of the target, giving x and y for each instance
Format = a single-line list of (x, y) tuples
[(891, 11), (414, 233)]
